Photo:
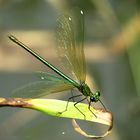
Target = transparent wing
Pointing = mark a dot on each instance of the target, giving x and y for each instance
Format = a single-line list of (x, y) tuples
[(47, 84), (70, 35)]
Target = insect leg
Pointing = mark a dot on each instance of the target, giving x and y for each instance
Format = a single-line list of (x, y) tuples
[(78, 108), (102, 104), (72, 97), (89, 105)]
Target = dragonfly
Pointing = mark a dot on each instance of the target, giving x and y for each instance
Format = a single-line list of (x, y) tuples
[(70, 36)]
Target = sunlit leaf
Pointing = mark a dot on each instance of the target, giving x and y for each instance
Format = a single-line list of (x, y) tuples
[(54, 107)]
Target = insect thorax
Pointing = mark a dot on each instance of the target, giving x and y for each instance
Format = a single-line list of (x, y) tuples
[(84, 88)]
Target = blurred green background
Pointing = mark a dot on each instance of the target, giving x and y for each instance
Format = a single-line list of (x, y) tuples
[(112, 49)]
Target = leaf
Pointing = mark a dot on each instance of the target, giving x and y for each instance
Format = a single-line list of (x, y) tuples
[(53, 107)]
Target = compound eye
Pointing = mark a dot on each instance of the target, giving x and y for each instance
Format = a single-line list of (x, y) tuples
[(98, 93), (92, 99)]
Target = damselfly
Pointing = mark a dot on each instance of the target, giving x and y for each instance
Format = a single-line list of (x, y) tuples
[(70, 35)]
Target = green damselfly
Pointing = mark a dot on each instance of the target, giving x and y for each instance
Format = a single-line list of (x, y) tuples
[(70, 35)]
